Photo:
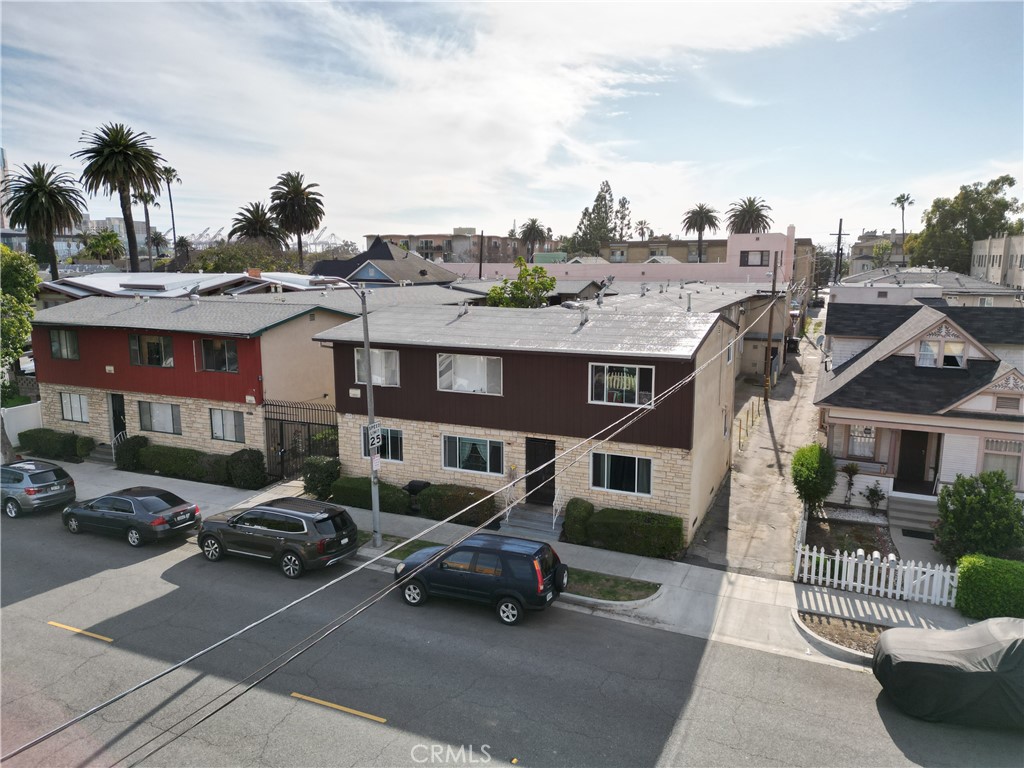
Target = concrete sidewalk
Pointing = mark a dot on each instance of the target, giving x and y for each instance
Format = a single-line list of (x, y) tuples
[(750, 611)]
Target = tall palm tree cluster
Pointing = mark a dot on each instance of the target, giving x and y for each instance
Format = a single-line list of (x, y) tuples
[(747, 215), (296, 208)]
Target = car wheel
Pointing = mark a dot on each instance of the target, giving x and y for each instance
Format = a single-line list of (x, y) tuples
[(561, 577), (211, 548), (414, 593), (72, 524), (510, 611), (291, 565), (12, 508), (134, 537)]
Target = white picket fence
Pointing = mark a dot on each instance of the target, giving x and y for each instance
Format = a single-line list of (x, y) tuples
[(875, 575)]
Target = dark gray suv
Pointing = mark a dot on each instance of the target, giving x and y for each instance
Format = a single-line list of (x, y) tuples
[(32, 485), (296, 534)]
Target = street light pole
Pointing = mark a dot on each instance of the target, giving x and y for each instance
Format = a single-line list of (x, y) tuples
[(768, 346)]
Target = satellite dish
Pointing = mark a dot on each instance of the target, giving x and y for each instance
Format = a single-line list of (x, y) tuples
[(819, 341)]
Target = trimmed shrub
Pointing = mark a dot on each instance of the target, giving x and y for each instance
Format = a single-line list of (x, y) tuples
[(979, 514), (126, 455), (318, 472), (215, 468), (577, 513), (441, 501), (49, 443), (84, 446), (990, 587), (355, 492), (247, 469), (814, 474), (639, 533), (171, 461)]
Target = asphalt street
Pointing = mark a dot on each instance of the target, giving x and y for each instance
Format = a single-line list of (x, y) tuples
[(445, 683)]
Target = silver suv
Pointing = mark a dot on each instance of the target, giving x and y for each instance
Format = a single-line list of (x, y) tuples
[(31, 485)]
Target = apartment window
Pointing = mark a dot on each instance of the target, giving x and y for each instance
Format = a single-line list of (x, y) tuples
[(927, 354), (755, 258), (383, 365), (390, 445), (1004, 455), (953, 354), (403, 244), (220, 355), (728, 355), (862, 442), (626, 474), (473, 454), (74, 407), (621, 384), (64, 345), (160, 417), (151, 350), (425, 245), (984, 301), (617, 256), (227, 425), (469, 373)]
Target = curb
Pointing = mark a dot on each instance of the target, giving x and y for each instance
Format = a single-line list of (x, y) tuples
[(828, 648)]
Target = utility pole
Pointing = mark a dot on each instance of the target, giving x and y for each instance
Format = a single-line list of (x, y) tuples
[(771, 318), (480, 273), (838, 269)]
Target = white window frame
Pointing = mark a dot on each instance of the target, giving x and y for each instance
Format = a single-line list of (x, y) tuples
[(63, 344), (939, 360), (1002, 448), (859, 438), (490, 444), (171, 415), (605, 460), (230, 429), (389, 438), (74, 407), (454, 374), (384, 364), (644, 398)]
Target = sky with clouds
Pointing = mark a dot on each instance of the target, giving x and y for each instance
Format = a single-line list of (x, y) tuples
[(420, 117)]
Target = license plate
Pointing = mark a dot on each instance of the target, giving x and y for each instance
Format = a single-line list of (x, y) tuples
[(550, 597), (344, 541), (182, 518)]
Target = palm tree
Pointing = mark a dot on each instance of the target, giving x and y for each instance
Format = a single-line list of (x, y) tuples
[(146, 199), (158, 240), (254, 222), (119, 160), (643, 229), (903, 201), (106, 244), (44, 202), (749, 215), (296, 206), (84, 237), (182, 249), (697, 219), (169, 175), (531, 233)]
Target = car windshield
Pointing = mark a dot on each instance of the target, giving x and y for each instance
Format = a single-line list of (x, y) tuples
[(48, 476), (332, 525), (161, 501)]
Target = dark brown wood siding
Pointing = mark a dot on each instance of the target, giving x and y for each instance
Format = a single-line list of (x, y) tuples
[(543, 393)]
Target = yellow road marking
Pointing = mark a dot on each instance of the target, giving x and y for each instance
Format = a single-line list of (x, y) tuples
[(81, 631), (339, 707)]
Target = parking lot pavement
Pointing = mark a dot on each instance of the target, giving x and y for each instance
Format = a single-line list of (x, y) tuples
[(93, 478)]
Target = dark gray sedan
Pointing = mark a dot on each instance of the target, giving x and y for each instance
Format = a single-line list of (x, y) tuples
[(140, 514)]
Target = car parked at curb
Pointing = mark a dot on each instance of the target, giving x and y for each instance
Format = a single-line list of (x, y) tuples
[(512, 575), (139, 514), (34, 486), (296, 534)]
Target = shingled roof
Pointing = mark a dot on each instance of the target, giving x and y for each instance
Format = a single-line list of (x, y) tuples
[(385, 262), (989, 325)]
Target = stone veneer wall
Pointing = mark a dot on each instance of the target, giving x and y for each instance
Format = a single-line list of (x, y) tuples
[(195, 419), (421, 448)]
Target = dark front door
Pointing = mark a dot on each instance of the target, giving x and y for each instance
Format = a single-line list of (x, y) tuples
[(910, 475), (117, 414), (540, 486)]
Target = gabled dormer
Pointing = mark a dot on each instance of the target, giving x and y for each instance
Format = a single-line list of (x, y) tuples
[(945, 345), (1003, 398)]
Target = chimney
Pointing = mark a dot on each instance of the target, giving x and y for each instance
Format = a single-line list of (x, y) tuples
[(254, 272)]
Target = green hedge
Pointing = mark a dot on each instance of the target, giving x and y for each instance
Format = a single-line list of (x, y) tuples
[(639, 533), (438, 502), (171, 461), (577, 513), (247, 469), (318, 472), (355, 492), (989, 586), (126, 455), (215, 468), (84, 446), (49, 444)]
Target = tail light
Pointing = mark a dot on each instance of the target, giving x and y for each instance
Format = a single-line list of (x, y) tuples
[(198, 516), (321, 546), (71, 482), (31, 491), (540, 577), (159, 521)]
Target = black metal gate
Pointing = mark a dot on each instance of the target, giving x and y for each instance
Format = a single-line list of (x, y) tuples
[(295, 431)]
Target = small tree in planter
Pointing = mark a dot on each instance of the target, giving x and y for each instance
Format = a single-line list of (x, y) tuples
[(874, 496), (814, 475), (851, 470)]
